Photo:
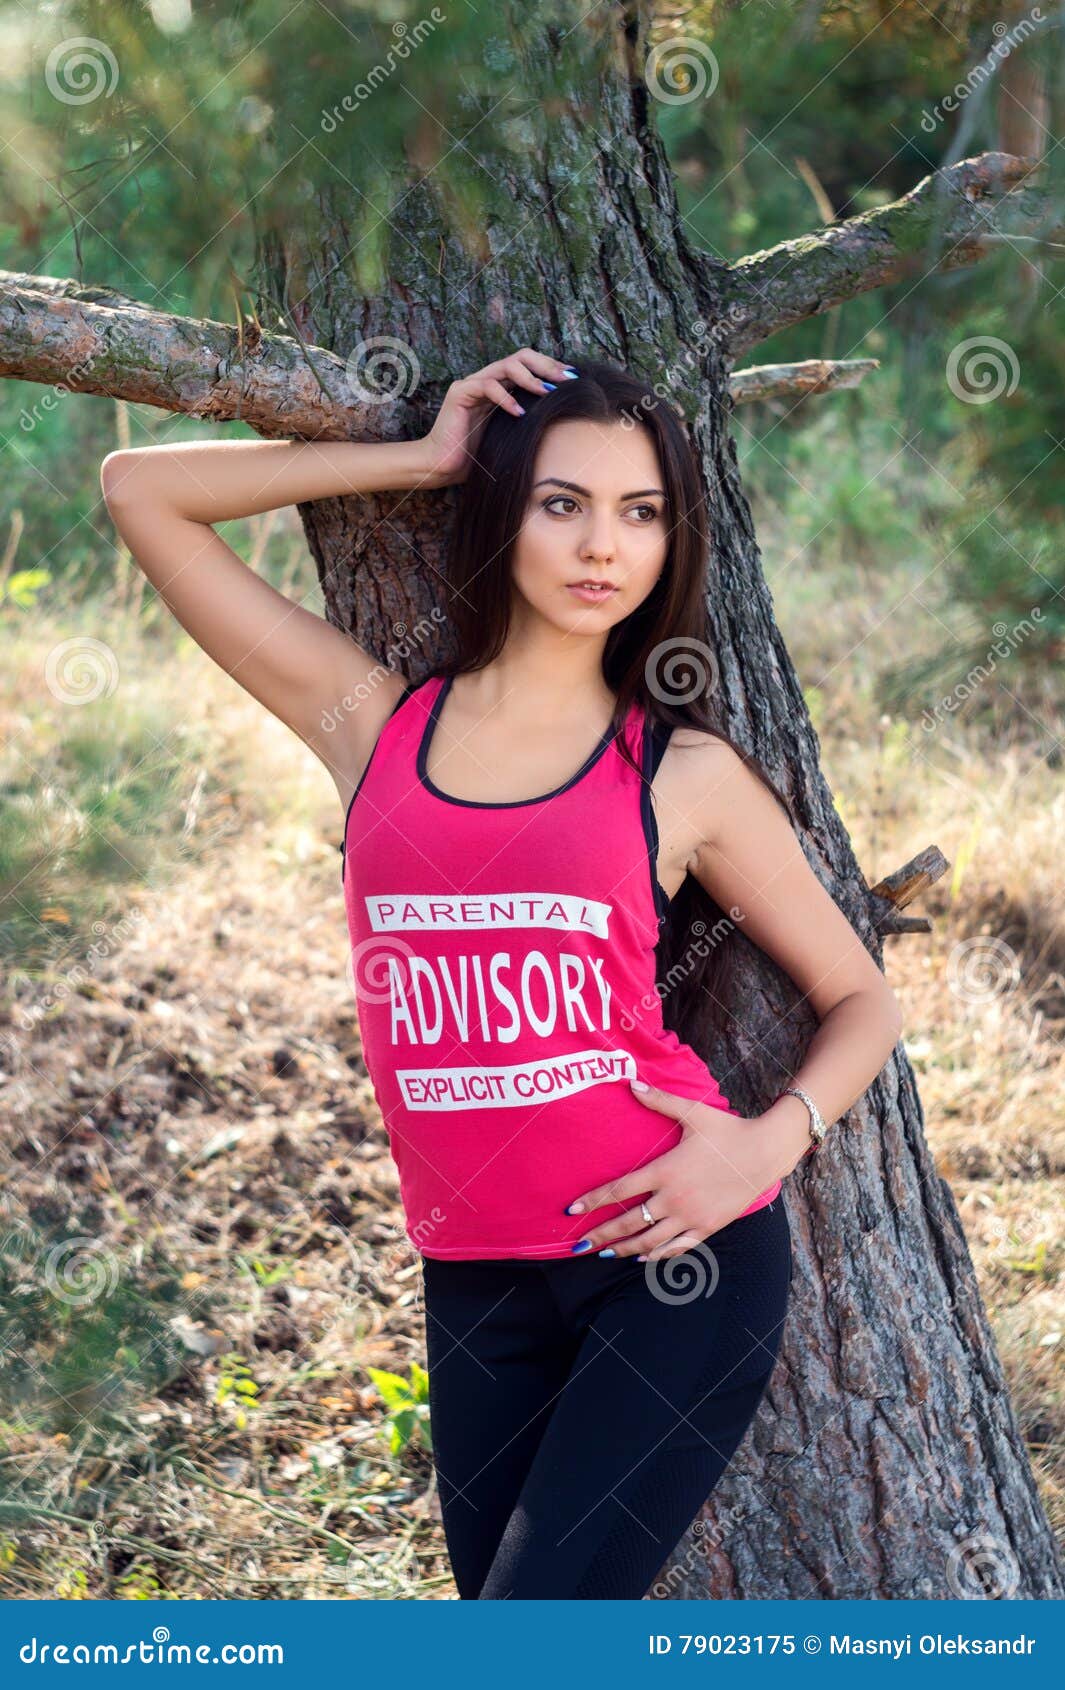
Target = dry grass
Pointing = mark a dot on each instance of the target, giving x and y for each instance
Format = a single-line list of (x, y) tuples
[(201, 1109)]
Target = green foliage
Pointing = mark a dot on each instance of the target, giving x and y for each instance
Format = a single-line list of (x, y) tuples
[(140, 1583), (72, 1584), (263, 1274), (407, 1401), (1033, 1262), (21, 588), (237, 1388)]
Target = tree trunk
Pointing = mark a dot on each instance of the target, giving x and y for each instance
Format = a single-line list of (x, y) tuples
[(886, 1460)]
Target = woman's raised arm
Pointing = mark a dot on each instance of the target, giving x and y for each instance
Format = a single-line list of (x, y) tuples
[(163, 500)]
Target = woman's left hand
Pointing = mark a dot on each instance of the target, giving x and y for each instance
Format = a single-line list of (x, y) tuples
[(717, 1170)]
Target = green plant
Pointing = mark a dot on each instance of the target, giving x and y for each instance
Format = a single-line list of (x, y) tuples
[(21, 588), (1034, 1263), (72, 1585), (236, 1386), (407, 1401), (265, 1275), (140, 1584)]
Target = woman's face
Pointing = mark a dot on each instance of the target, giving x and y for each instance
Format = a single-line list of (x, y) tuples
[(597, 513)]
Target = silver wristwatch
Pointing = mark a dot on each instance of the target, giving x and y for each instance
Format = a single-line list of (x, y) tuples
[(818, 1128)]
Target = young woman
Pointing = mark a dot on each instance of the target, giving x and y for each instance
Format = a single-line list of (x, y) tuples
[(538, 840)]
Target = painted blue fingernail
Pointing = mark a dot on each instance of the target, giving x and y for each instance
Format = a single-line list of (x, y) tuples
[(608, 1252), (576, 1207), (521, 410), (571, 373), (584, 1244), (641, 1258), (549, 384)]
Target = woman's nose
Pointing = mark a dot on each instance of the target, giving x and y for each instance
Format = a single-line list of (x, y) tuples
[(599, 541)]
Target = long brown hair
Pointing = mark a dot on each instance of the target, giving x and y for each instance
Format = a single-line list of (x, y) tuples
[(652, 653)]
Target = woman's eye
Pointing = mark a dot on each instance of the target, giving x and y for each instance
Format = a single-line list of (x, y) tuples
[(564, 499)]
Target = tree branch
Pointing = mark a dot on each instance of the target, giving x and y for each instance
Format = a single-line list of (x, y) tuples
[(951, 218), (93, 340), (812, 375), (889, 897)]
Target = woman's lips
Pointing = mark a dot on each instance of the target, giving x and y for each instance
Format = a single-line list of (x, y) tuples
[(592, 595)]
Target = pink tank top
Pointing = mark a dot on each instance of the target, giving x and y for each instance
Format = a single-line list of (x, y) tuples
[(503, 958)]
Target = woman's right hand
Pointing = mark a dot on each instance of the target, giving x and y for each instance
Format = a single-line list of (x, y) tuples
[(451, 442)]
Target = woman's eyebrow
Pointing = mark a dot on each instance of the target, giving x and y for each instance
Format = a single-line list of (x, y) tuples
[(641, 492)]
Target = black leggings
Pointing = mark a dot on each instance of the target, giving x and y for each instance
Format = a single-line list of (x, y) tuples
[(583, 1408)]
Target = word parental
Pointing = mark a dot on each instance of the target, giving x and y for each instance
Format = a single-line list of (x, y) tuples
[(418, 912)]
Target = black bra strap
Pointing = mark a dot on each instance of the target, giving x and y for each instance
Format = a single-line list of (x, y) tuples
[(661, 732)]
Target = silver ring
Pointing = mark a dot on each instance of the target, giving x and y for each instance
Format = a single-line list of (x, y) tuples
[(647, 1215)]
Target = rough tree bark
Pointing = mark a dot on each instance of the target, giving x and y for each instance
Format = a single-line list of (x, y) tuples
[(886, 1460)]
